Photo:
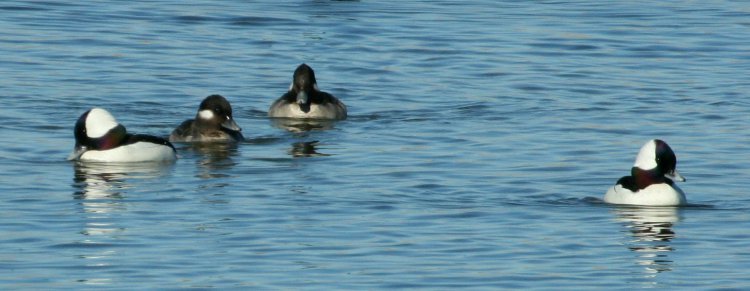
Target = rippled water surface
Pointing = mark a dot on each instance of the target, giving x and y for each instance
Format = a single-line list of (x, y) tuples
[(481, 137)]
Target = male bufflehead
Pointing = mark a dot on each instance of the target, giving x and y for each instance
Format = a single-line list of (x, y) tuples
[(100, 138), (651, 179), (212, 123), (304, 100)]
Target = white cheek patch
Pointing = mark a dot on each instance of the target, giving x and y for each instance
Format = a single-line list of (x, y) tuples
[(291, 86), (99, 122), (206, 114), (646, 158)]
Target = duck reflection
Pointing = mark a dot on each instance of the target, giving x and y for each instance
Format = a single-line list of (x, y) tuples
[(302, 125), (214, 158), (305, 149), (99, 186), (101, 189), (651, 231)]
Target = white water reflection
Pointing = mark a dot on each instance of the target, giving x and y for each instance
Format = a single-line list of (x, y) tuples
[(100, 187), (649, 236), (102, 191)]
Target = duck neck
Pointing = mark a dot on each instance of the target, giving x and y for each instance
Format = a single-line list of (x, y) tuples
[(644, 178)]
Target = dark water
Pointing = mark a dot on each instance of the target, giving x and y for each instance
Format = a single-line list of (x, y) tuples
[(480, 139)]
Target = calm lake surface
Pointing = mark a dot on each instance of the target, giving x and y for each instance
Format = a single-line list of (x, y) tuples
[(481, 137)]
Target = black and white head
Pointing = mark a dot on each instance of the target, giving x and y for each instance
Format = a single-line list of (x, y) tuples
[(216, 112), (304, 85), (96, 129), (657, 156)]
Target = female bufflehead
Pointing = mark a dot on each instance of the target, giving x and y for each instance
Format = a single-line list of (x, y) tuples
[(100, 138), (212, 123), (304, 100), (651, 179)]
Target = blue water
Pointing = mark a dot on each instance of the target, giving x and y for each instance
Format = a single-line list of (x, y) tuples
[(481, 137)]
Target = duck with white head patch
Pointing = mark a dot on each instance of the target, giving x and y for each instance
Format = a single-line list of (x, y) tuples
[(651, 180), (100, 138), (212, 123), (304, 100)]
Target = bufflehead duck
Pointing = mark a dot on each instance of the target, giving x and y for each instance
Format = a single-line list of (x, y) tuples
[(100, 138), (651, 179), (304, 100), (212, 123)]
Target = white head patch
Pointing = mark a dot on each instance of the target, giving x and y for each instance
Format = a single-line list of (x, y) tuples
[(646, 158), (99, 122), (206, 114)]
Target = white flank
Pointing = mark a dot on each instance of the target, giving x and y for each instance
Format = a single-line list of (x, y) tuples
[(137, 152), (654, 195)]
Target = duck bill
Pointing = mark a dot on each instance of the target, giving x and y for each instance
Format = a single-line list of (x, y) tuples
[(303, 101), (302, 97), (77, 152), (230, 125), (675, 176)]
